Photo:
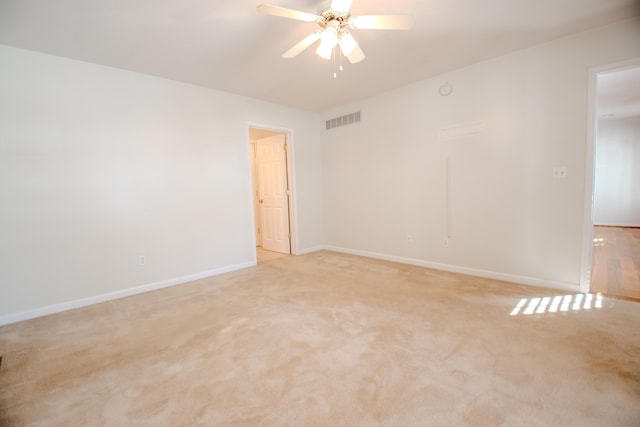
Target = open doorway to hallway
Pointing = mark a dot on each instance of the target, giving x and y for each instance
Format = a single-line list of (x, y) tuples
[(272, 195), (616, 262), (616, 189)]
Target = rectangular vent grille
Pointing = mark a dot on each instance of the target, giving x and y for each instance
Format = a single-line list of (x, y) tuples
[(343, 120)]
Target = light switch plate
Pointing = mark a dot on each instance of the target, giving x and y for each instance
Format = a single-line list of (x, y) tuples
[(560, 172)]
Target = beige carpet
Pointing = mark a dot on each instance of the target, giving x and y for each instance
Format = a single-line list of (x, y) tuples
[(328, 340)]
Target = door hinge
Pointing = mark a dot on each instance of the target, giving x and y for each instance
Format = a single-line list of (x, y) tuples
[(285, 146), (289, 236), (288, 192)]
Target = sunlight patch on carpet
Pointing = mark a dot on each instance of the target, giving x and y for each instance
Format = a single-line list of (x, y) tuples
[(558, 303)]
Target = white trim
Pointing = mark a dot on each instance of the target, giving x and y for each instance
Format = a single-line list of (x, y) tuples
[(310, 250), (589, 176), (448, 201), (524, 280), (97, 299), (589, 171), (625, 225), (254, 240)]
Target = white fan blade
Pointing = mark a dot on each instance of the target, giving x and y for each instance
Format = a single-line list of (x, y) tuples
[(356, 55), (341, 6), (305, 43), (287, 13), (347, 42), (382, 22)]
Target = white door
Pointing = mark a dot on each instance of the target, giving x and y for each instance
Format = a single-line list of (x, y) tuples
[(271, 162)]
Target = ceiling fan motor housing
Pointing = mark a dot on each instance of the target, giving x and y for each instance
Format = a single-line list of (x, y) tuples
[(329, 17)]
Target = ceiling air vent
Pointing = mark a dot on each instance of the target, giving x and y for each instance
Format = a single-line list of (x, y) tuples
[(348, 119)]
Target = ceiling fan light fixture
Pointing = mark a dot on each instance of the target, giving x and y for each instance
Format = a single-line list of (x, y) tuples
[(328, 40), (347, 42), (329, 37), (324, 51)]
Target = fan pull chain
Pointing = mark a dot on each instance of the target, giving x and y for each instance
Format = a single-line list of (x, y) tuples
[(337, 64)]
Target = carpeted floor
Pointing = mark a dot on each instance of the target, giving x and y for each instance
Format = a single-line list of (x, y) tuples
[(328, 339)]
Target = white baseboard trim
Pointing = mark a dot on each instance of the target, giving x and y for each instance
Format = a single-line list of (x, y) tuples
[(84, 302), (524, 280), (310, 250), (625, 225)]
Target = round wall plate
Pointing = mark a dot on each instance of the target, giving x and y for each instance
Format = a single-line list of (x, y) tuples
[(445, 89)]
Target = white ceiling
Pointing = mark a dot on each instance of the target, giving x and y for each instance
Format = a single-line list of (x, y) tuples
[(226, 45)]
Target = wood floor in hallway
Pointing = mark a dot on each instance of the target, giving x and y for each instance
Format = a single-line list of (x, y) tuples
[(616, 262), (264, 255)]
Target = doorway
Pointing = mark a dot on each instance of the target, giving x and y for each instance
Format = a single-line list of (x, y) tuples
[(611, 248), (272, 192)]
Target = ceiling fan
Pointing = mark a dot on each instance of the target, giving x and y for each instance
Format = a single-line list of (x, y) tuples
[(335, 23)]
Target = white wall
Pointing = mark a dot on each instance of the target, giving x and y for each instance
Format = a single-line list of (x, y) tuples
[(617, 177), (385, 177), (99, 166)]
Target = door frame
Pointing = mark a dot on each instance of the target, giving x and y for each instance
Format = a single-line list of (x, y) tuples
[(254, 188), (590, 165), (291, 177)]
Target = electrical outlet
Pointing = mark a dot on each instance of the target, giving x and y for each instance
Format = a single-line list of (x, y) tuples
[(142, 260), (560, 172), (409, 237)]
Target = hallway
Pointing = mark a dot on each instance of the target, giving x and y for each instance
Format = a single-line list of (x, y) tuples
[(264, 255), (616, 262)]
